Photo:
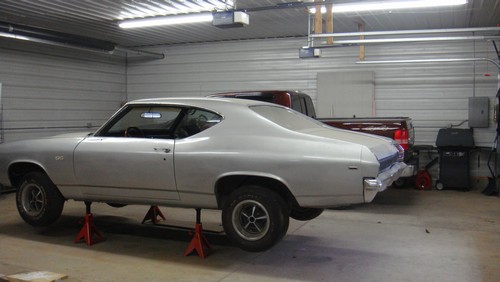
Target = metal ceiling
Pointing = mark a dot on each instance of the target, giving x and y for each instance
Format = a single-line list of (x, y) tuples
[(98, 19)]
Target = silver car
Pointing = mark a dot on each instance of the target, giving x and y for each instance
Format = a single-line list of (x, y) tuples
[(259, 163)]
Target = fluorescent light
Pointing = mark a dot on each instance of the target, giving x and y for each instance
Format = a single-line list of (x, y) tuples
[(389, 5), (167, 20), (150, 8), (10, 35)]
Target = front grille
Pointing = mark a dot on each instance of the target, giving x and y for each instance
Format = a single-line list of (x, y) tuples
[(388, 161)]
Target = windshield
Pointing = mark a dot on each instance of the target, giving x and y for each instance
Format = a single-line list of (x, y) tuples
[(160, 121), (287, 118)]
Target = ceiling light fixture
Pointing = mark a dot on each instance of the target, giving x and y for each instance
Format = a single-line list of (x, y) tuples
[(167, 20), (389, 5), (156, 8), (10, 35)]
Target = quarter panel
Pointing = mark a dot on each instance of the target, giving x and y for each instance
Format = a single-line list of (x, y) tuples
[(313, 168)]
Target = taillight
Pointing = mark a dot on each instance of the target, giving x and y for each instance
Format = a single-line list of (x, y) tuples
[(401, 136)]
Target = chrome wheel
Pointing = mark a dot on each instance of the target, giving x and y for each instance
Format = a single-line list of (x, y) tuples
[(255, 218), (33, 199), (38, 200), (251, 220)]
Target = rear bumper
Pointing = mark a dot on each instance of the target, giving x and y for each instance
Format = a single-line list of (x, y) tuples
[(409, 171), (371, 186)]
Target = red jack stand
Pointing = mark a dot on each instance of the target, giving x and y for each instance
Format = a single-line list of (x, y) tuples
[(199, 241), (89, 230), (153, 214)]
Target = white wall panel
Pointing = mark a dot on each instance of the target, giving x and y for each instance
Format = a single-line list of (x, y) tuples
[(433, 94), (50, 90)]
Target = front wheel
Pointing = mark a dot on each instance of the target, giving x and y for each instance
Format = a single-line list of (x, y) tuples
[(254, 218), (38, 201)]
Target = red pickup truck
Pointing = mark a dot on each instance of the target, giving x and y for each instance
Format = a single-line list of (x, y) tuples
[(400, 129)]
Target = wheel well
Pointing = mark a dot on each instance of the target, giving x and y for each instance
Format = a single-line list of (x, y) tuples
[(19, 170), (228, 184)]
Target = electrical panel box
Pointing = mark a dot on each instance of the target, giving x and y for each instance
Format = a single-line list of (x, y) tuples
[(309, 52), (479, 112)]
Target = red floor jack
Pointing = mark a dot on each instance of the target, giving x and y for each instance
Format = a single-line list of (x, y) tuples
[(423, 179), (199, 241), (154, 214), (89, 230)]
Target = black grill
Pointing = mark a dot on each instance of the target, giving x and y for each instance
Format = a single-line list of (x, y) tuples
[(454, 146)]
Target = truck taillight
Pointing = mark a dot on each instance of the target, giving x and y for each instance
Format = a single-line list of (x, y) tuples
[(401, 136)]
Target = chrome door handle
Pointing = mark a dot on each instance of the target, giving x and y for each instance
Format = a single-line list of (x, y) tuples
[(165, 150)]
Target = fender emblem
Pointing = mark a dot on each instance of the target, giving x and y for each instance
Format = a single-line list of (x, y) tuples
[(59, 158)]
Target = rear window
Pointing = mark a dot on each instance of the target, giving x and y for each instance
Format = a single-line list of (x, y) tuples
[(286, 118), (263, 98)]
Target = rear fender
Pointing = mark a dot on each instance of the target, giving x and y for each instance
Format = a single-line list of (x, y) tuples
[(228, 183)]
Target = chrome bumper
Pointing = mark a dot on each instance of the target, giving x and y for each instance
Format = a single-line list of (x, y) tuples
[(409, 171), (372, 186)]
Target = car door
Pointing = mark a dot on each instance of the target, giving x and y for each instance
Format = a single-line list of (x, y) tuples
[(131, 159)]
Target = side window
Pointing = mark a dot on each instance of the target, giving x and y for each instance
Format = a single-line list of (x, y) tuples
[(303, 106), (144, 122), (310, 107), (195, 121), (296, 104)]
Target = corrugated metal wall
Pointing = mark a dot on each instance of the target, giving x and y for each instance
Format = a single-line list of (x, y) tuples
[(55, 90), (435, 95), (49, 90)]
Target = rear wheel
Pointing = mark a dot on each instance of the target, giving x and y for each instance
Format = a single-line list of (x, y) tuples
[(254, 218), (116, 205), (304, 214), (38, 201)]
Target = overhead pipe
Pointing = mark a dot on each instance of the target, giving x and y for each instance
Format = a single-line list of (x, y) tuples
[(405, 32), (406, 40), (68, 40), (136, 52), (60, 38)]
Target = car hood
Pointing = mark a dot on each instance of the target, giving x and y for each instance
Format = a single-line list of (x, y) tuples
[(72, 135), (55, 139), (381, 147)]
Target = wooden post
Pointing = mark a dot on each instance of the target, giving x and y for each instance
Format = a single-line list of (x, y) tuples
[(329, 23), (318, 19), (361, 28)]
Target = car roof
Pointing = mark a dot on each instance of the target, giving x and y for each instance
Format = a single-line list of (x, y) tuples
[(256, 93), (200, 102)]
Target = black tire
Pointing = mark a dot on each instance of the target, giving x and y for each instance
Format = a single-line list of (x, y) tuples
[(439, 185), (38, 200), (305, 214), (255, 218), (116, 205), (399, 183)]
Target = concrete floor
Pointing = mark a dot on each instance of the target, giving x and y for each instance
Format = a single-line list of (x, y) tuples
[(404, 235)]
